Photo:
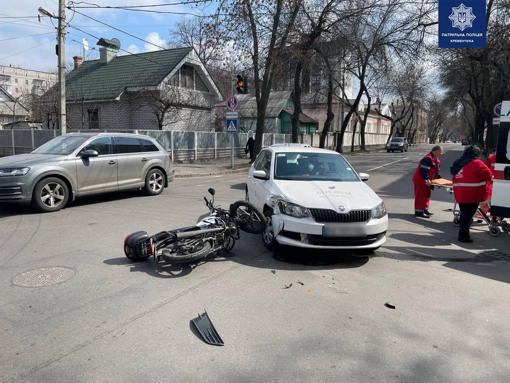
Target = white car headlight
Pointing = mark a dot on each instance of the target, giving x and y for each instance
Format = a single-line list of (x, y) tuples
[(293, 210), (379, 211), (14, 172)]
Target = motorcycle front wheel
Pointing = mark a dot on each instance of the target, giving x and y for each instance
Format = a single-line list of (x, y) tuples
[(248, 217), (186, 251)]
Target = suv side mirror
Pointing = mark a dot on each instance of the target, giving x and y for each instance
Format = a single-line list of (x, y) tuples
[(90, 153)]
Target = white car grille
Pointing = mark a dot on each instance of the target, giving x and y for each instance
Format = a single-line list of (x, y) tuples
[(326, 215)]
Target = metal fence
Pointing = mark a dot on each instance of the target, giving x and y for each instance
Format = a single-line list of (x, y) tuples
[(184, 146)]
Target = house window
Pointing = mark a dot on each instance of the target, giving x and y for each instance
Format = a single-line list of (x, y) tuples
[(26, 82), (316, 83), (187, 77), (174, 81), (16, 80), (93, 118), (199, 83)]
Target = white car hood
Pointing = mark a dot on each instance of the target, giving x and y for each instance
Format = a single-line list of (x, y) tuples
[(328, 194)]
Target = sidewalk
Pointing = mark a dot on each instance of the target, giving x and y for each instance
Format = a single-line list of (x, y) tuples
[(211, 168)]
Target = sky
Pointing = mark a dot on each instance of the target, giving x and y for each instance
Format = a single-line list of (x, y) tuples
[(28, 43)]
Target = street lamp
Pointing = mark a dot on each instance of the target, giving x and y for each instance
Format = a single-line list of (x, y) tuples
[(61, 61)]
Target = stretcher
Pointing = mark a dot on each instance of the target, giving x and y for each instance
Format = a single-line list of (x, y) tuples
[(495, 224)]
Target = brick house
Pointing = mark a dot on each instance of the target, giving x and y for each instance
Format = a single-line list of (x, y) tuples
[(166, 90)]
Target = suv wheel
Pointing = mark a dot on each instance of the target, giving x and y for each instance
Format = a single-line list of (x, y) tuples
[(50, 194), (154, 182)]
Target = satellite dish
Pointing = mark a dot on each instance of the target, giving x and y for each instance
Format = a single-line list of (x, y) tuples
[(117, 42), (85, 44)]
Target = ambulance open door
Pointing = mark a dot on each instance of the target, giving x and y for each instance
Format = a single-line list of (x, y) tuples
[(500, 204)]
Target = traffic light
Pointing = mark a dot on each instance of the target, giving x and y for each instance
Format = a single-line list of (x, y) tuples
[(242, 84)]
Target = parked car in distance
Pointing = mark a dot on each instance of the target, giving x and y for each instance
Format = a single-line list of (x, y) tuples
[(313, 198), (465, 141), (79, 164), (397, 143)]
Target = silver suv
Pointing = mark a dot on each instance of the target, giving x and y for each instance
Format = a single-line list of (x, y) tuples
[(80, 164), (397, 143)]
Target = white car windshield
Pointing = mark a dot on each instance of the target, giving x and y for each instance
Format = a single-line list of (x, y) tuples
[(61, 145), (313, 167)]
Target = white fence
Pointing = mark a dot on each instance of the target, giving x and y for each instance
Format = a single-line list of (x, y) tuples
[(186, 146)]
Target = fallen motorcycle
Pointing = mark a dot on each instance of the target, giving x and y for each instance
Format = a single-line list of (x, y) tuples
[(214, 233)]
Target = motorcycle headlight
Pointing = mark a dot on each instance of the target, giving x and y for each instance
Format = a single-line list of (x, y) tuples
[(293, 210), (379, 211), (13, 172)]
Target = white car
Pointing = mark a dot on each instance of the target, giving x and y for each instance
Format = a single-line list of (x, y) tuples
[(313, 198)]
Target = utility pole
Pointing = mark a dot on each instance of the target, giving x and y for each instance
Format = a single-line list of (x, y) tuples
[(62, 67), (61, 53)]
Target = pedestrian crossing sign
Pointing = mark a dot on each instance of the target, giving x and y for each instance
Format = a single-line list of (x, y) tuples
[(231, 126)]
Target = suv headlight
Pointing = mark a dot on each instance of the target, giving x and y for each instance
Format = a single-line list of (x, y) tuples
[(379, 211), (14, 172), (293, 210)]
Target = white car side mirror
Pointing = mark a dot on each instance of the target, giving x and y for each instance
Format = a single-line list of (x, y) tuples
[(364, 176), (260, 174)]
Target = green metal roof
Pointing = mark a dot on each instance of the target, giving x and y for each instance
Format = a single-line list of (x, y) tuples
[(96, 81)]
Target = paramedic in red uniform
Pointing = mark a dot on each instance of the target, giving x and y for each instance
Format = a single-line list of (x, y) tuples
[(427, 170), (471, 185)]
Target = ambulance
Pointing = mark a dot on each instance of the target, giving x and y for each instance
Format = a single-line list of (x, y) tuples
[(500, 205)]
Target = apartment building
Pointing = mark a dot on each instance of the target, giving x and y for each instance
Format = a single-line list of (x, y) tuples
[(18, 81)]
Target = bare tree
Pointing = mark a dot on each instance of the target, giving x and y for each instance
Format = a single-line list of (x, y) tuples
[(390, 28), (259, 31)]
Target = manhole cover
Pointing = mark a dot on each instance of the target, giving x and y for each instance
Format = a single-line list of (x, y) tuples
[(498, 255), (46, 276)]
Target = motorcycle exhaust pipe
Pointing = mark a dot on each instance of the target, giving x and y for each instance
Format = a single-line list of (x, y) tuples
[(190, 234)]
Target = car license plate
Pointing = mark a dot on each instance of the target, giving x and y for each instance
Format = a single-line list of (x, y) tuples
[(341, 230)]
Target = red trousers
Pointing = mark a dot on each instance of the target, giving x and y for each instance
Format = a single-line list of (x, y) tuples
[(422, 195)]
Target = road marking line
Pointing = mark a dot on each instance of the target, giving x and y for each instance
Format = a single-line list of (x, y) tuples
[(391, 163)]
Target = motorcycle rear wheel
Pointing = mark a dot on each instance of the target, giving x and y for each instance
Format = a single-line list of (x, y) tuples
[(248, 217), (177, 255)]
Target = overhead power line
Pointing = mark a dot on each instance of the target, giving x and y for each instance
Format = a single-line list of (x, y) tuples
[(22, 37), (3, 58), (92, 5), (120, 30)]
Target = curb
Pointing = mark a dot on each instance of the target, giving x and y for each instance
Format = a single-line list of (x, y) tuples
[(212, 173)]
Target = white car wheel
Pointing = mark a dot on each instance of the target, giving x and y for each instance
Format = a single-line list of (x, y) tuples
[(268, 234)]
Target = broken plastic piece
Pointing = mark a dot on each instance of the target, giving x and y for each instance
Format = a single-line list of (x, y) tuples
[(389, 306), (205, 327)]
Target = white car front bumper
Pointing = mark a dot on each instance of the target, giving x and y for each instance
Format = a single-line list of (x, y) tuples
[(307, 233)]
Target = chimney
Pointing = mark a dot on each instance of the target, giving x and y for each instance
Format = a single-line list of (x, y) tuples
[(77, 61), (107, 54), (108, 50)]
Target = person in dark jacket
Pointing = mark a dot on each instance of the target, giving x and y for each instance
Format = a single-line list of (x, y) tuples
[(471, 185), (427, 170), (250, 144)]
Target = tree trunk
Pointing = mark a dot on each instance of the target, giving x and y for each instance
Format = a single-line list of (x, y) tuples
[(354, 134), (297, 101), (330, 115)]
